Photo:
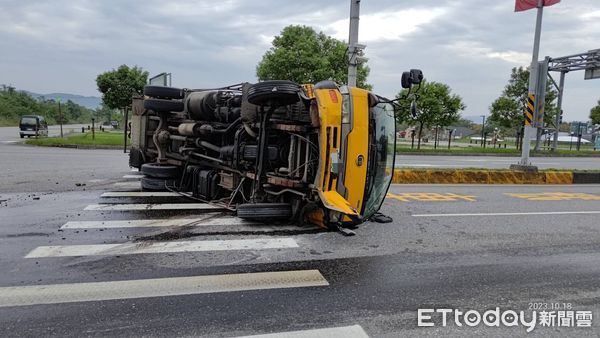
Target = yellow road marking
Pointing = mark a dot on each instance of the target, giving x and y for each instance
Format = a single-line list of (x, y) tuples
[(430, 197), (557, 196)]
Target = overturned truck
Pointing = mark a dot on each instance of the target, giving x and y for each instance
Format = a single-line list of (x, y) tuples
[(269, 151)]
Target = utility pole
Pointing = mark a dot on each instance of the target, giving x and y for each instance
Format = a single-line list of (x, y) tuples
[(483, 131), (60, 118), (530, 122), (353, 48)]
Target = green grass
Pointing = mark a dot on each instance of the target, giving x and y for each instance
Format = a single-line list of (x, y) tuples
[(457, 150), (587, 151), (8, 123), (83, 139)]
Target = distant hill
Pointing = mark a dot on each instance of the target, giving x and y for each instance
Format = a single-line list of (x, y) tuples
[(16, 103), (474, 118), (91, 102)]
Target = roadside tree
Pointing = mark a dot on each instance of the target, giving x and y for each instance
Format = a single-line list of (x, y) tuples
[(507, 110), (118, 85), (595, 114), (302, 55), (436, 104)]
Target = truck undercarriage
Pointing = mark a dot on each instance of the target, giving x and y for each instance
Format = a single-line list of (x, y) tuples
[(248, 148)]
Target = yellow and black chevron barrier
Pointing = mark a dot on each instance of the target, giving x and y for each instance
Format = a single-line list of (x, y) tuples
[(473, 176), (529, 110)]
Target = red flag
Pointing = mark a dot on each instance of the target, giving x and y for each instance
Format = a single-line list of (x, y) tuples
[(523, 5)]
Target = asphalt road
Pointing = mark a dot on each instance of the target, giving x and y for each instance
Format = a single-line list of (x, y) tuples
[(461, 247), (30, 169), (495, 162), (11, 134)]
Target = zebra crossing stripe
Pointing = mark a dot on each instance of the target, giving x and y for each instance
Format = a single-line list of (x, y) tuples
[(149, 206), (161, 247), (140, 194), (133, 186), (157, 287), (354, 331), (137, 177), (156, 223)]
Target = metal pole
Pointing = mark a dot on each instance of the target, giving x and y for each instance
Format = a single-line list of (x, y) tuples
[(61, 119), (483, 131), (93, 129), (125, 132), (352, 41), (578, 136), (529, 130), (561, 89)]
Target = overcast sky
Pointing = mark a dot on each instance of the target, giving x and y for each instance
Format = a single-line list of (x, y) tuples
[(62, 45)]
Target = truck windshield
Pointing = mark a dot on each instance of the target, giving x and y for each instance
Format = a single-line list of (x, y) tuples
[(382, 144)]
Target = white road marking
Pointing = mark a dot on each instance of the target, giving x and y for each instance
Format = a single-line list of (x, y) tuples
[(140, 194), (156, 223), (149, 206), (98, 180), (128, 185), (161, 247), (354, 331), (136, 177), (513, 214), (157, 287)]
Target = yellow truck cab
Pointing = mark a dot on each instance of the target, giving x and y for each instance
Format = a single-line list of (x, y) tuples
[(357, 146)]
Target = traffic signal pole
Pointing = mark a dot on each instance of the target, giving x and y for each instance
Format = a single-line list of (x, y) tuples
[(530, 121)]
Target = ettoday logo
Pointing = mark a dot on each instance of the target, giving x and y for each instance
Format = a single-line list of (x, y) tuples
[(507, 318)]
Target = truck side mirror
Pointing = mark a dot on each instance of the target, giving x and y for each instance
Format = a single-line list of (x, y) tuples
[(405, 81), (416, 76), (414, 112)]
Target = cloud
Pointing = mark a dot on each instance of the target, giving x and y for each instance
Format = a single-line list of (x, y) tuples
[(591, 15), (477, 50), (387, 25)]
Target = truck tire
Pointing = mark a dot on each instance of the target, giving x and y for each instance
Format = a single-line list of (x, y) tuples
[(264, 211), (274, 93), (161, 92), (159, 105), (156, 184), (156, 170)]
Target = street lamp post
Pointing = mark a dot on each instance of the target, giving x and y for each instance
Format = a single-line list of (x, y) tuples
[(483, 131)]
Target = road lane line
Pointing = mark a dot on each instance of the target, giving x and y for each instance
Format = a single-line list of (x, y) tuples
[(161, 247), (512, 214), (140, 194), (156, 223), (354, 331), (157, 287), (150, 206)]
